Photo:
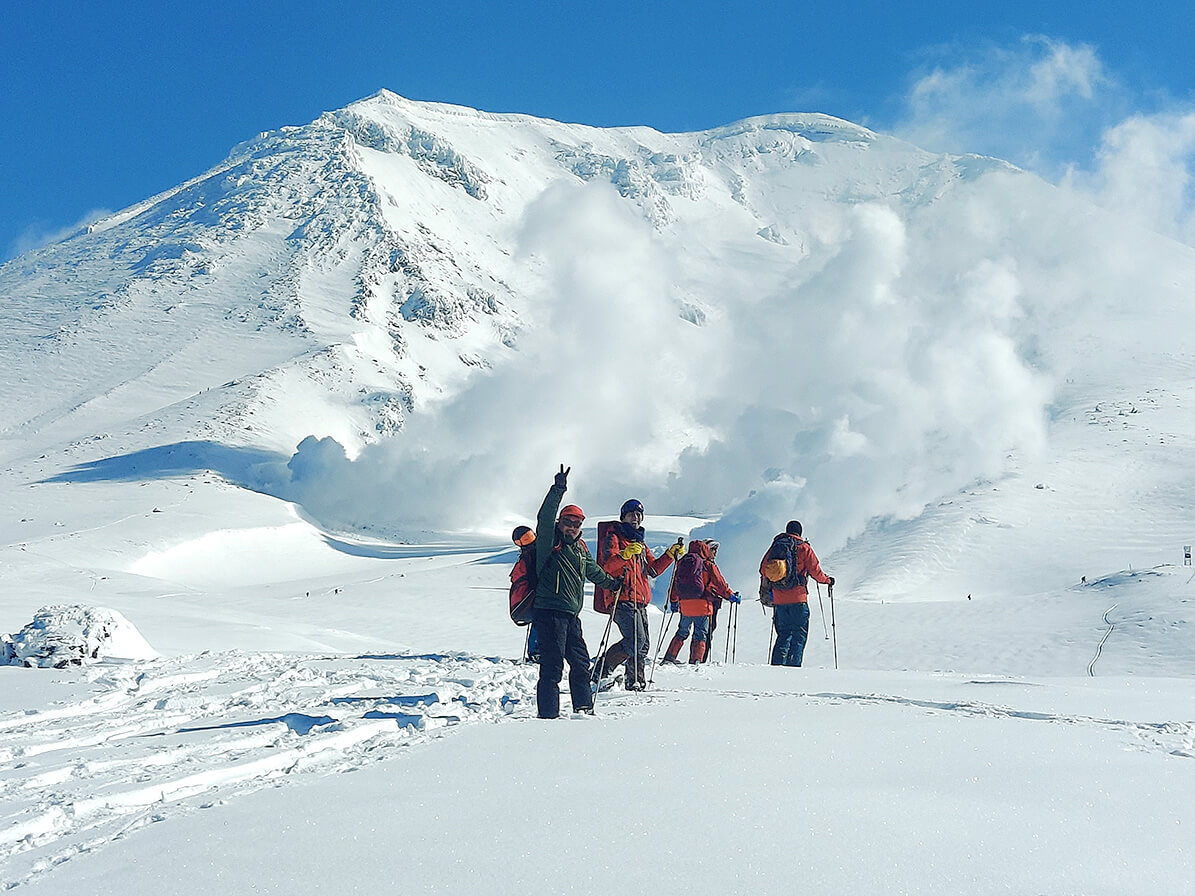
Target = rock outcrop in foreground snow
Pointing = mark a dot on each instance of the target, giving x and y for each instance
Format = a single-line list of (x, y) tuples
[(64, 636)]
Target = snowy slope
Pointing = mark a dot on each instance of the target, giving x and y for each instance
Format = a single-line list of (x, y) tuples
[(789, 316), (282, 419)]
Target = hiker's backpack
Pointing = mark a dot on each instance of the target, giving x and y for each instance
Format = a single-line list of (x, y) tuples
[(523, 579), (765, 593), (603, 600), (689, 578), (780, 563)]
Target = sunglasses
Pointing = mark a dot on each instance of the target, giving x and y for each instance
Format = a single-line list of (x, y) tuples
[(570, 522)]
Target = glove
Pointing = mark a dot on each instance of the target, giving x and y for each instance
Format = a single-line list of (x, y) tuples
[(618, 584), (674, 607), (560, 480), (676, 551), (632, 549), (831, 582), (735, 599)]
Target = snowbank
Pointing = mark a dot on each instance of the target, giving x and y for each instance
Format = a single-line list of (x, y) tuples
[(62, 636)]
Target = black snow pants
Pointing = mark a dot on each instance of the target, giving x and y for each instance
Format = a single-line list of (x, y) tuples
[(560, 639)]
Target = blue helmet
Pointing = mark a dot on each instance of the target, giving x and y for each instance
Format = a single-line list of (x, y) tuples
[(629, 506)]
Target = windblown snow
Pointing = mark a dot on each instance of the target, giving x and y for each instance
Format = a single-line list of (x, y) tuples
[(263, 438)]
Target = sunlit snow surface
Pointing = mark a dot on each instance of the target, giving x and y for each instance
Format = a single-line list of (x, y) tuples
[(282, 419)]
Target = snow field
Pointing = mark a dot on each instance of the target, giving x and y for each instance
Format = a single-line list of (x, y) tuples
[(987, 442), (830, 782), (153, 734)]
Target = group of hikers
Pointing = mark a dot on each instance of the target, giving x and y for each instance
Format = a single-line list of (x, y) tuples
[(556, 568)]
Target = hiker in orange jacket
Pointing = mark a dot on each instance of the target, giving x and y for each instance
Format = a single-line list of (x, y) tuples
[(628, 557), (698, 583), (790, 597)]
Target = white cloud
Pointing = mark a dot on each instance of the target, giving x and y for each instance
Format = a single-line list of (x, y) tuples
[(1063, 72), (893, 372), (1035, 104), (1143, 173), (1055, 109)]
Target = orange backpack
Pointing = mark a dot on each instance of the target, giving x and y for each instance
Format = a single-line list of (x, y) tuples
[(523, 579)]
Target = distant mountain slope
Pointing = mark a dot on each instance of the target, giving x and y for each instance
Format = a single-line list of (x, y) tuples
[(345, 253), (790, 316)]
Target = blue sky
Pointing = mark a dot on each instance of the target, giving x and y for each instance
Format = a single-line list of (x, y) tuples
[(106, 103)]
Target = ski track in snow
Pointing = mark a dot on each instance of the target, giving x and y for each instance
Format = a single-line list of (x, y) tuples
[(172, 735), (1176, 738), (158, 738), (1099, 648)]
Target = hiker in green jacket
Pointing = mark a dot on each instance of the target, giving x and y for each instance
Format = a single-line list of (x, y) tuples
[(563, 563)]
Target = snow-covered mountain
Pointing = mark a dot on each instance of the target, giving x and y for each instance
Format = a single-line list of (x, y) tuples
[(262, 439), (400, 315)]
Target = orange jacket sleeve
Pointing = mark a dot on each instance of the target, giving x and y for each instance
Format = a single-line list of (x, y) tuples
[(807, 562), (717, 584), (656, 565)]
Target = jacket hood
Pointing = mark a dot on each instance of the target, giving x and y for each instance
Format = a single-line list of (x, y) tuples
[(700, 548)]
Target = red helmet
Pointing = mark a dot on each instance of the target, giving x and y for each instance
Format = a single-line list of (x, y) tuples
[(572, 510)]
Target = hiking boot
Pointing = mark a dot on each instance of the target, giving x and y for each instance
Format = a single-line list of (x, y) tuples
[(672, 653), (636, 686), (587, 710)]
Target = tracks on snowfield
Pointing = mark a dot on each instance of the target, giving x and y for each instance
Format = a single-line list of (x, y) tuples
[(172, 735), (1174, 738), (1099, 648)]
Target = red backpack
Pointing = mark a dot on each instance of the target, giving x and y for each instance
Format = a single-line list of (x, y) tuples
[(688, 582), (523, 579), (603, 600)]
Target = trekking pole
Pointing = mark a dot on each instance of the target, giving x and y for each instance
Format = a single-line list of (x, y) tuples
[(667, 625), (772, 633), (732, 632), (668, 614), (668, 620), (734, 619), (595, 677), (635, 639), (638, 676), (729, 625), (821, 609), (526, 644), (830, 589)]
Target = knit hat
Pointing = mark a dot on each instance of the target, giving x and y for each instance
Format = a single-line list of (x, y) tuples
[(793, 527), (629, 506)]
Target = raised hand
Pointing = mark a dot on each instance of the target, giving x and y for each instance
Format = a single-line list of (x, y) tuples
[(632, 549), (561, 478)]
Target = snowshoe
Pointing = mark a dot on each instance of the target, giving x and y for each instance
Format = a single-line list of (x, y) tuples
[(612, 680)]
